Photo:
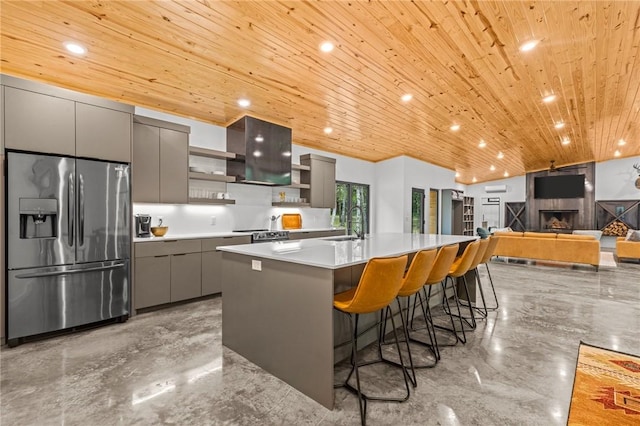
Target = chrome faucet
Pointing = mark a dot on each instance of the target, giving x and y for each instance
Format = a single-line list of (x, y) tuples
[(350, 222)]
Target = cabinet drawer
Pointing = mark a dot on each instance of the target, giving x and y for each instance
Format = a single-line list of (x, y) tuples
[(163, 248), (210, 244)]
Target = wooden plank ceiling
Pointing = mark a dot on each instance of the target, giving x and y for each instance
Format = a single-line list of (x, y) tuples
[(460, 61)]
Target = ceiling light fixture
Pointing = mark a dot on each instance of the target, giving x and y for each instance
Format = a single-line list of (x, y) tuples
[(454, 127), (286, 154), (559, 125), (457, 174), (492, 168), (617, 153), (326, 46), (529, 45), (406, 97), (257, 154), (75, 48), (566, 141), (500, 155), (506, 174), (482, 143), (259, 138), (549, 98), (474, 180), (622, 142), (328, 130), (244, 103)]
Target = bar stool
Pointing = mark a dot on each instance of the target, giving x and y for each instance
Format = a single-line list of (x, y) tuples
[(377, 288), (474, 267), (488, 254), (459, 268), (412, 283), (441, 265)]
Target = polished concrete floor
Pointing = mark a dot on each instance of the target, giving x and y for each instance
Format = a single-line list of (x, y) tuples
[(169, 366)]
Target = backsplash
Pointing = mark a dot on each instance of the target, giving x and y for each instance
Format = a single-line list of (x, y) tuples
[(251, 211)]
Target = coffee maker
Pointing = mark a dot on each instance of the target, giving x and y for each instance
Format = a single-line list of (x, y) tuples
[(143, 225)]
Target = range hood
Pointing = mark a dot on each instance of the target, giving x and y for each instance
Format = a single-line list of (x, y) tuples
[(263, 152)]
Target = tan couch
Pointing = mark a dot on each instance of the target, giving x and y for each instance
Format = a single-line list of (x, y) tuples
[(549, 246), (627, 249)]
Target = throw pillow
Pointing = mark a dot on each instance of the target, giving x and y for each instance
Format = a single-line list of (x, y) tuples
[(483, 233), (633, 235)]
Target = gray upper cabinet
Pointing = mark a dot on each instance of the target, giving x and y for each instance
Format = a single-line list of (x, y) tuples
[(103, 133), (37, 122), (160, 164), (321, 178), (145, 170), (174, 166), (42, 118)]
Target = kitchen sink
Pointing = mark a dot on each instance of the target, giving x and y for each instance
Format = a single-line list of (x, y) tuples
[(343, 238)]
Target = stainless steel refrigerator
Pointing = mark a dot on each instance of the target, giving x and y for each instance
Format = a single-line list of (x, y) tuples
[(68, 243)]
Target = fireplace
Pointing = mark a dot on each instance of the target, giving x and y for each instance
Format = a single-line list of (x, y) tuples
[(558, 220)]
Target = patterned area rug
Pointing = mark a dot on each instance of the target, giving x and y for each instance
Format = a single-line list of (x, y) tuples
[(606, 389)]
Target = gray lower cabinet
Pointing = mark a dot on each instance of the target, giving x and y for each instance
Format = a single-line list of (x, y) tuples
[(166, 271), (152, 281), (212, 262), (303, 235), (186, 278)]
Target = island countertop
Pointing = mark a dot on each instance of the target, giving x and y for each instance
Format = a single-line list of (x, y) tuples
[(331, 254)]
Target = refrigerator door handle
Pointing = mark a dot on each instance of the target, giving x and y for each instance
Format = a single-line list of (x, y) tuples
[(71, 208), (70, 272), (81, 210)]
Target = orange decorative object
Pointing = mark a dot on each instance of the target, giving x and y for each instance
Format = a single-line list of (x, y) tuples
[(291, 221)]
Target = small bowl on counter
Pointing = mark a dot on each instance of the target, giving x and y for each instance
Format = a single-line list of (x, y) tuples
[(159, 231)]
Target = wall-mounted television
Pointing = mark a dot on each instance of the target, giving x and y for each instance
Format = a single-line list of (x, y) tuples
[(559, 186)]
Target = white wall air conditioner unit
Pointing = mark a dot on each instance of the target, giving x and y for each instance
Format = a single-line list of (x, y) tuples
[(495, 188)]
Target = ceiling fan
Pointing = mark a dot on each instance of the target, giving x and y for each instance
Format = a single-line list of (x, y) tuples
[(554, 168)]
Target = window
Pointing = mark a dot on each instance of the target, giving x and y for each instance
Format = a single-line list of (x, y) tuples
[(417, 211), (349, 196)]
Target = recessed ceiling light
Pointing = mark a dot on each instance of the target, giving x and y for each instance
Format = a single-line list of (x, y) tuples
[(622, 142), (492, 168), (455, 127), (474, 180), (257, 154), (287, 154), (500, 155), (617, 153), (549, 98), (244, 103), (326, 46), (328, 130), (506, 174), (566, 141), (482, 143), (529, 45), (259, 138), (75, 48), (559, 125), (406, 97), (457, 174)]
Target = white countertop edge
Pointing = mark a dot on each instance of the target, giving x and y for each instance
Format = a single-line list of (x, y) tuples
[(170, 236), (266, 250)]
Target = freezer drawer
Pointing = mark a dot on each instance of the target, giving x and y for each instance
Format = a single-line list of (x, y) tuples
[(49, 299)]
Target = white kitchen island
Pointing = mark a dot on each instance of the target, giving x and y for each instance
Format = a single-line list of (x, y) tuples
[(278, 301)]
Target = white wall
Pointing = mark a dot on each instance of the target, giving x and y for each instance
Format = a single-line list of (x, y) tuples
[(615, 180), (516, 192)]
